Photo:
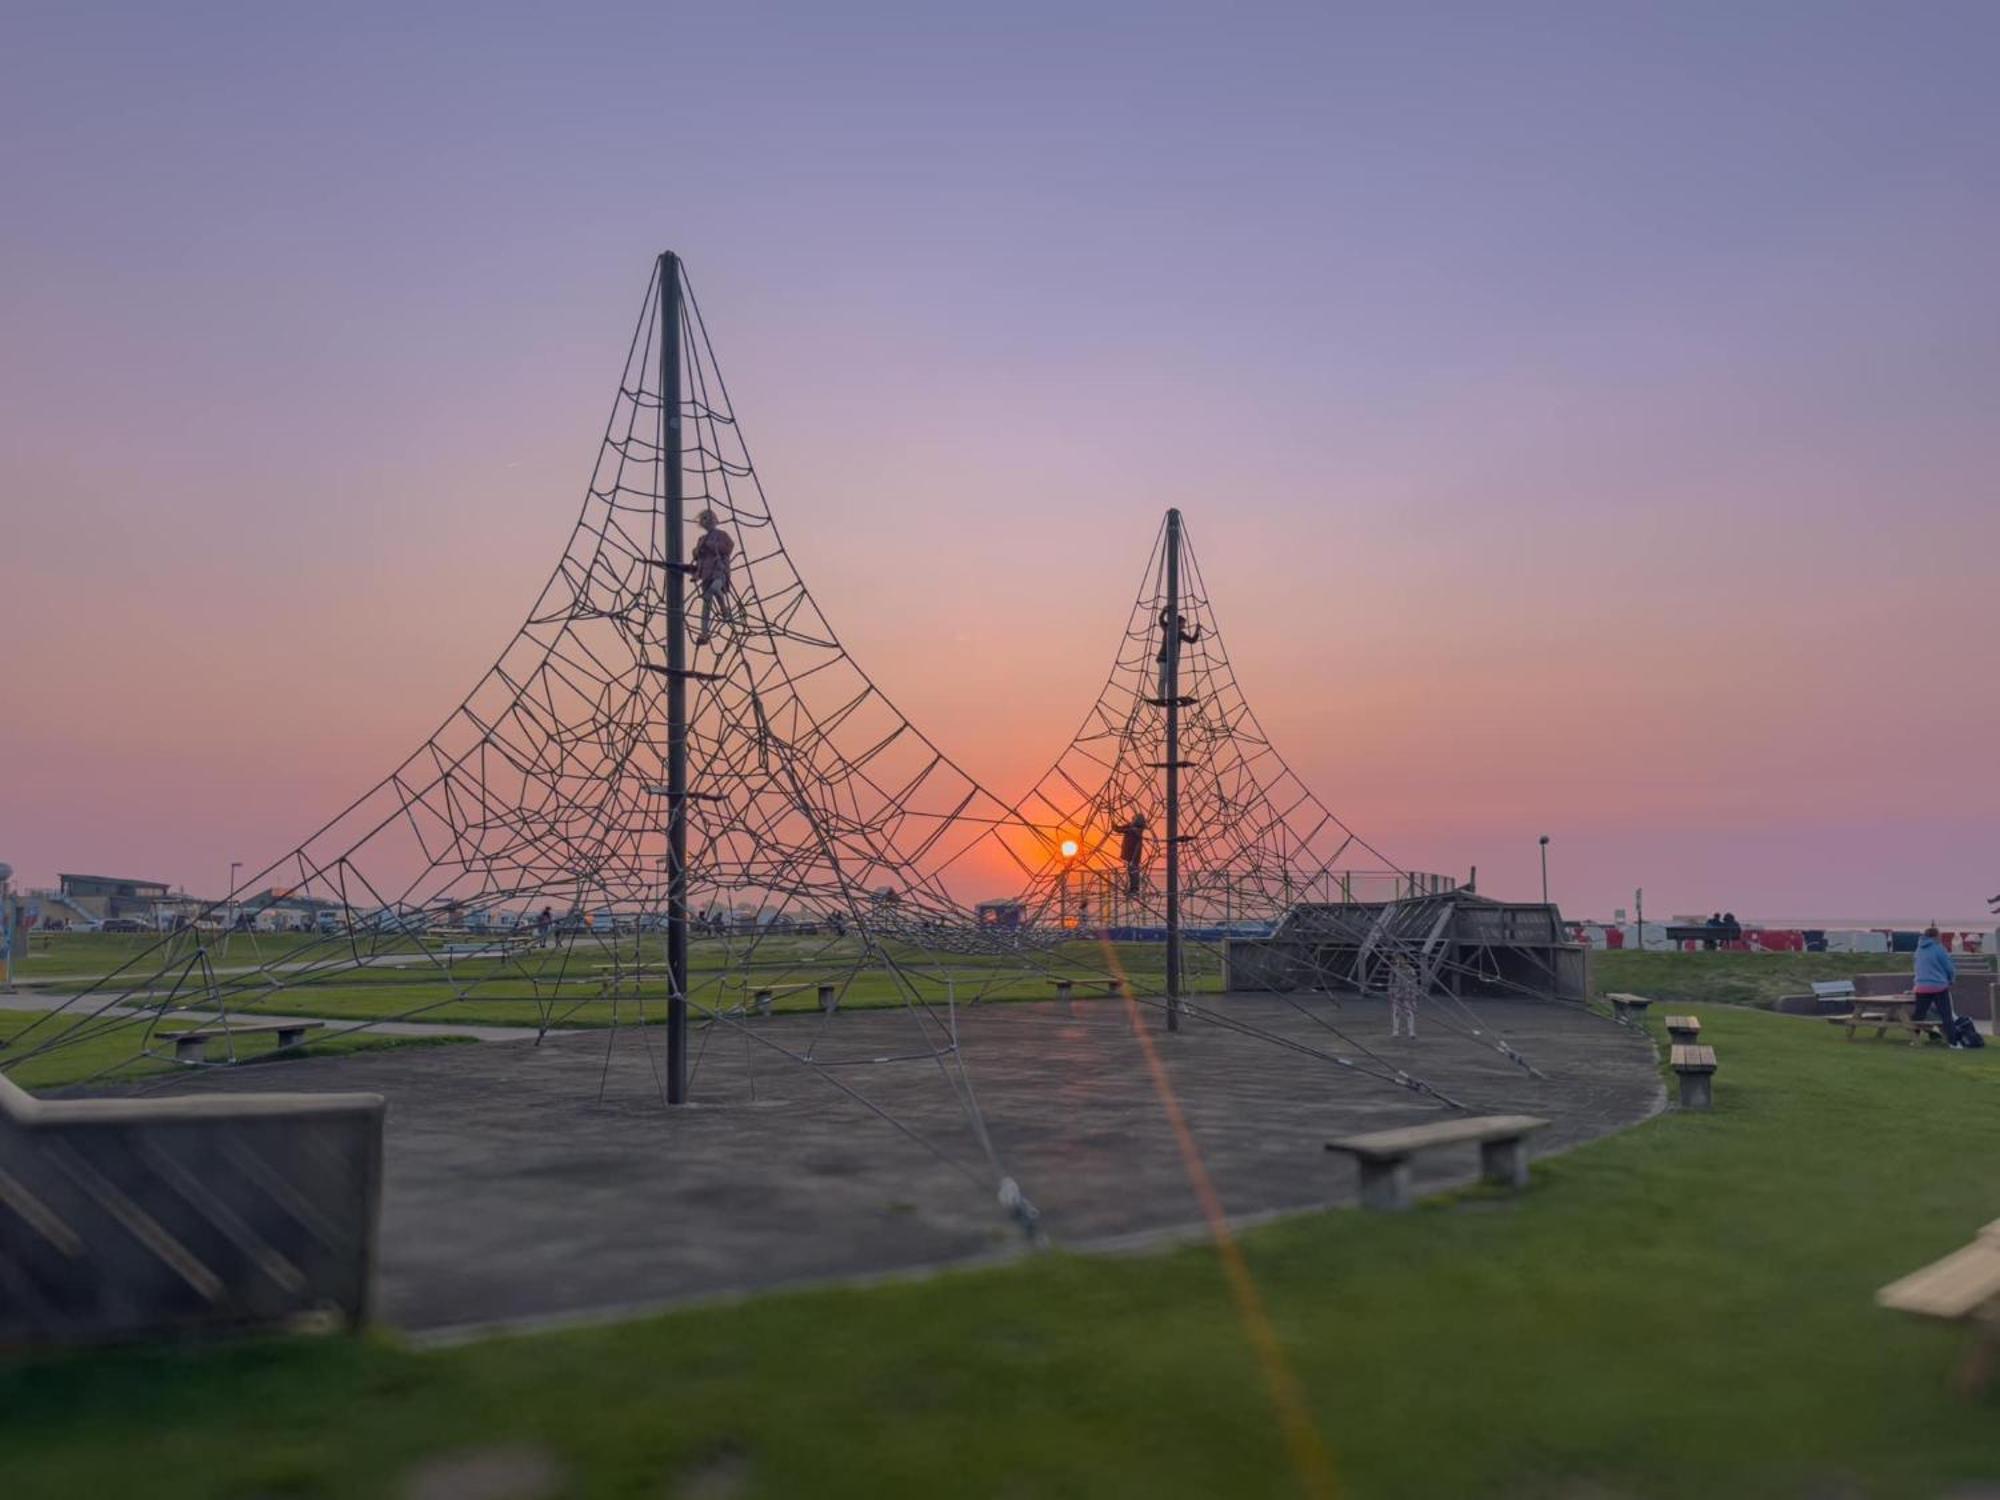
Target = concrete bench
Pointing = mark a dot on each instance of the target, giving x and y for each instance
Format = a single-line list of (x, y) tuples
[(829, 996), (140, 1218), (1384, 1156), (1629, 1007), (1684, 1030), (1964, 1287), (189, 1046), (1108, 988), (1694, 1065), (1832, 989)]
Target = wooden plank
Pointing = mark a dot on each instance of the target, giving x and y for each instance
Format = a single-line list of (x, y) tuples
[(1683, 1023), (1693, 1057), (1386, 1145), (1960, 1285)]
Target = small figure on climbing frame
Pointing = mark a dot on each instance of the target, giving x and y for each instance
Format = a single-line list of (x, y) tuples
[(1404, 993), (711, 573), (1132, 850), (1174, 633)]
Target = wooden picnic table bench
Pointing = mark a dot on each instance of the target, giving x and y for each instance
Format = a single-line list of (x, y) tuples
[(1694, 1066), (1684, 1030), (1884, 1013), (1384, 1155), (191, 1044), (1963, 1287)]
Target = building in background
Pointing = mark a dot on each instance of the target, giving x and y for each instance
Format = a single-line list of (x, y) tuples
[(98, 897)]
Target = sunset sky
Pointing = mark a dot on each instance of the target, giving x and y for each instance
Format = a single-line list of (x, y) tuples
[(1585, 415)]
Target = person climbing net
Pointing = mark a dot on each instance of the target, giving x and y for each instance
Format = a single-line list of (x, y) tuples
[(1132, 850), (1175, 632), (711, 575)]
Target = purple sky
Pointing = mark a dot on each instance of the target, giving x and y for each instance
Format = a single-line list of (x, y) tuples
[(1584, 413)]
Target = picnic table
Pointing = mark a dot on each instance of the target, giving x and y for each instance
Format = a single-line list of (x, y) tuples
[(1885, 1012)]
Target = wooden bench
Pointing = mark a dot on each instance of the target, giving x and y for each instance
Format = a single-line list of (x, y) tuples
[(1384, 1155), (1109, 988), (1694, 1065), (189, 1046), (1886, 1013), (1629, 1007), (1964, 1287), (1684, 1030)]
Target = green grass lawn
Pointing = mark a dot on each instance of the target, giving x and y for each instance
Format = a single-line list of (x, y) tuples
[(1731, 978), (1681, 1310), (113, 1054), (565, 984)]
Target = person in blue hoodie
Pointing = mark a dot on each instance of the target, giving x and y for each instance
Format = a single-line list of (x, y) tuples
[(1932, 985)]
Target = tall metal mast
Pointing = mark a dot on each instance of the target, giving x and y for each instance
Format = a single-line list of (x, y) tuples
[(1171, 691), (671, 481)]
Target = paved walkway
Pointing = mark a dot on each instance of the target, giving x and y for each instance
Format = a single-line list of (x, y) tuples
[(551, 1182)]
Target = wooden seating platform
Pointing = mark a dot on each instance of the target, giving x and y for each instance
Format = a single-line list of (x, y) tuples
[(1684, 1030), (1694, 1065), (1384, 1155), (190, 1046), (1964, 1287)]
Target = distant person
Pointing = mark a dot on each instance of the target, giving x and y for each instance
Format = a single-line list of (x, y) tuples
[(1932, 985), (1132, 850), (1714, 932), (1404, 993), (544, 925), (1731, 928), (1174, 633), (711, 574)]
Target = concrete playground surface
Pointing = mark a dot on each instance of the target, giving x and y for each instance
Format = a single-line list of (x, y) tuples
[(533, 1183)]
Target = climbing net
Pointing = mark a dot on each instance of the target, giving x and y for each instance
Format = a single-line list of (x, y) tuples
[(519, 857), (1260, 855)]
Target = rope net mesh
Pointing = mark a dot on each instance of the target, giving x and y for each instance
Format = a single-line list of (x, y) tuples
[(519, 857)]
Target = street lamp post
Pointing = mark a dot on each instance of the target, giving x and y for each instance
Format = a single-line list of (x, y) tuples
[(1545, 869)]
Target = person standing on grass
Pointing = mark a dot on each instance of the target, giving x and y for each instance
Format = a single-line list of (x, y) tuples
[(1932, 986), (543, 924)]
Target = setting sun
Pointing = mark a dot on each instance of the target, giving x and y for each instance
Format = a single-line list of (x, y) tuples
[(1069, 848)]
